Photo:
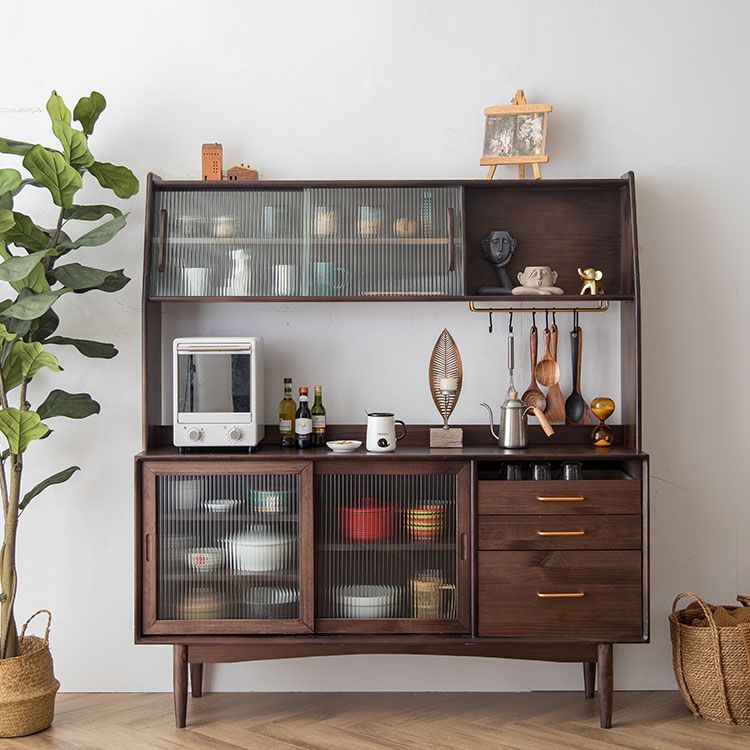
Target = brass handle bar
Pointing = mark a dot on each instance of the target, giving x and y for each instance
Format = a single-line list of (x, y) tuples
[(545, 499), (163, 217), (451, 240), (580, 532), (148, 547), (601, 306), (566, 595)]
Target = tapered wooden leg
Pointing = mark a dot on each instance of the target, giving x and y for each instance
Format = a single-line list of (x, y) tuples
[(604, 662), (589, 678), (491, 171), (180, 683), (196, 680)]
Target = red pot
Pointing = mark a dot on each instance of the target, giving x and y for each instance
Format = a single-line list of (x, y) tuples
[(366, 521)]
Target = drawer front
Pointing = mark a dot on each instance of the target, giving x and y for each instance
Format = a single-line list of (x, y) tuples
[(583, 595), (620, 496), (559, 532)]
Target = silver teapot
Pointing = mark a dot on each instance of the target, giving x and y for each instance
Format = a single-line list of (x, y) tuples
[(512, 428)]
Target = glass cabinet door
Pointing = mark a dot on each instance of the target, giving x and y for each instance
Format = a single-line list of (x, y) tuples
[(354, 242), (391, 549), (226, 549)]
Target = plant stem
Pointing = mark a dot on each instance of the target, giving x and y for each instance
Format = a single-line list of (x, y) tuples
[(8, 580)]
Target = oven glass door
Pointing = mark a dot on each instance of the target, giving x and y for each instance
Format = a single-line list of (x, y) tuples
[(214, 386)]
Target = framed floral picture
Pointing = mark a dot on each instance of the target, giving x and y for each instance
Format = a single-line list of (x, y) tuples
[(516, 134)]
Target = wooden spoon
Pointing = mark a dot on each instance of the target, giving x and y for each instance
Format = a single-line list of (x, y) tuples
[(555, 411), (547, 371), (532, 395)]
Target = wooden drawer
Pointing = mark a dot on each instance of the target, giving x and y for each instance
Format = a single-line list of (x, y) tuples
[(606, 586), (559, 532), (560, 497)]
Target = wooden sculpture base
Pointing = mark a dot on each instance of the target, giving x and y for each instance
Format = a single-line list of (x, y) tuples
[(453, 437)]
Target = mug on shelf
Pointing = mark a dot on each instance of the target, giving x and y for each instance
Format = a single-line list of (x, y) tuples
[(285, 279), (196, 281), (328, 277), (431, 597), (275, 222)]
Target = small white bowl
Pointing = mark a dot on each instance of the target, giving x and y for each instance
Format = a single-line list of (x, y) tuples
[(344, 446), (220, 504), (205, 559)]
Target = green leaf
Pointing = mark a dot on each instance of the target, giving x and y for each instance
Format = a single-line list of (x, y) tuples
[(84, 278), (73, 405), (99, 235), (33, 306), (5, 334), (91, 349), (88, 109), (58, 112), (18, 267), (10, 180), (75, 147), (20, 428), (59, 478), (118, 179), (6, 201), (91, 213), (17, 148), (24, 360), (45, 326), (50, 169), (24, 233), (7, 220)]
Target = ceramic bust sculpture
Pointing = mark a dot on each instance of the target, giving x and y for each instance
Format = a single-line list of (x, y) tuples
[(537, 280), (498, 247)]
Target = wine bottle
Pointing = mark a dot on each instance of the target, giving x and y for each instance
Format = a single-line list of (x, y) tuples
[(318, 418), (303, 421), (287, 409)]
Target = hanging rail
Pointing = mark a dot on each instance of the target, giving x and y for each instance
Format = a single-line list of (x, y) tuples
[(601, 306)]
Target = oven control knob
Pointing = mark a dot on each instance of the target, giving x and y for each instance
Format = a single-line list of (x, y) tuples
[(195, 434), (234, 434)]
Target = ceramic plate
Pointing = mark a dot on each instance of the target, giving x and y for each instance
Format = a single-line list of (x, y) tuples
[(344, 446)]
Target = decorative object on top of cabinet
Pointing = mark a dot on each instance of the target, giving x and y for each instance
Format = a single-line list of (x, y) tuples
[(242, 173), (591, 278), (512, 428), (446, 374), (532, 396), (404, 227), (381, 432), (555, 408), (498, 247), (344, 446), (577, 411), (516, 134), (537, 280), (212, 161), (602, 408)]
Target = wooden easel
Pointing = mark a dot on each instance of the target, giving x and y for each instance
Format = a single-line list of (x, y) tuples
[(519, 107)]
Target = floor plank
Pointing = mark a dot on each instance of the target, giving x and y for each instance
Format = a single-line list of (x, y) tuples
[(378, 721)]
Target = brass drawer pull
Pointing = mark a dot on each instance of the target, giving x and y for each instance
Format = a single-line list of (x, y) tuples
[(579, 532), (566, 595), (543, 499)]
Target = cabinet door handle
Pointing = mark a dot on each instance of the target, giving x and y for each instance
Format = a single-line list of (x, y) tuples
[(451, 240), (544, 499), (163, 217), (464, 547), (148, 547), (578, 532), (565, 595)]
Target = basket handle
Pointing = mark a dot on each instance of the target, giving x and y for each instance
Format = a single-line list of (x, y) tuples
[(46, 630), (706, 609), (744, 600)]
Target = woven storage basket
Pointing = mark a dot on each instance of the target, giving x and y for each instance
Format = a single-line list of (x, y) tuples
[(28, 685), (712, 664)]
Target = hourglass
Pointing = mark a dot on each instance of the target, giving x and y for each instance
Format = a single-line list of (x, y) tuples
[(602, 408)]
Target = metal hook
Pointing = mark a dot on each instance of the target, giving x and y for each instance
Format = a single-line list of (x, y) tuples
[(533, 319), (575, 318), (546, 321), (510, 323), (554, 319), (490, 322)]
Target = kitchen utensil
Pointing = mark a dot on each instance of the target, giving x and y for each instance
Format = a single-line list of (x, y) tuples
[(367, 601), (271, 501), (512, 428), (602, 408), (432, 598), (425, 521), (344, 446), (532, 395), (555, 408), (547, 371), (572, 470), (220, 504), (381, 432), (367, 521), (205, 559), (239, 275), (269, 603), (576, 407), (195, 281), (186, 493), (202, 604), (259, 549), (511, 358), (328, 277)]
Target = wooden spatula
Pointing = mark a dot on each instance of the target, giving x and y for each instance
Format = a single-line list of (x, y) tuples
[(555, 410)]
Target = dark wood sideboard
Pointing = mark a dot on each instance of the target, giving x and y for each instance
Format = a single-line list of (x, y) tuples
[(554, 570)]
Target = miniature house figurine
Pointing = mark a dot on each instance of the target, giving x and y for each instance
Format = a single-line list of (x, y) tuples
[(211, 161), (241, 173)]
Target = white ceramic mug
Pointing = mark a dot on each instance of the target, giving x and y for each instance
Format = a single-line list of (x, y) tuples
[(196, 281), (285, 280), (381, 432)]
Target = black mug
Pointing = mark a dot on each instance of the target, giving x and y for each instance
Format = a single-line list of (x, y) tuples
[(572, 470)]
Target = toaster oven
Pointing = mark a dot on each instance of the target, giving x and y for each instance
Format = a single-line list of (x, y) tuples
[(218, 392)]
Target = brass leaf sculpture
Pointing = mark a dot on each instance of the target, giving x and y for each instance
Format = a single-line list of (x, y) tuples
[(445, 362)]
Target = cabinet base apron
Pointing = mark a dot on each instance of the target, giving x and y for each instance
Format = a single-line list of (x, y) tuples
[(191, 656)]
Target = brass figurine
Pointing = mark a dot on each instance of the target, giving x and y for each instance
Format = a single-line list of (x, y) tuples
[(446, 378), (591, 278)]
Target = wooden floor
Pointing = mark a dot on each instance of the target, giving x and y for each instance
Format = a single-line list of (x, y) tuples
[(366, 721)]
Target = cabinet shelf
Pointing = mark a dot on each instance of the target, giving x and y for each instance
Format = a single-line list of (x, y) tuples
[(268, 576), (261, 519), (426, 545), (233, 241)]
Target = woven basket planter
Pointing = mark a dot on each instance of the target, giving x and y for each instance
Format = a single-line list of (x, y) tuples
[(712, 664), (28, 685)]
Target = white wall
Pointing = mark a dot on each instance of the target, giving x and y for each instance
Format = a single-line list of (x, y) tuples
[(387, 89)]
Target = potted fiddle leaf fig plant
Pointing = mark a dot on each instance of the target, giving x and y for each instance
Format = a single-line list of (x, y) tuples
[(36, 271)]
